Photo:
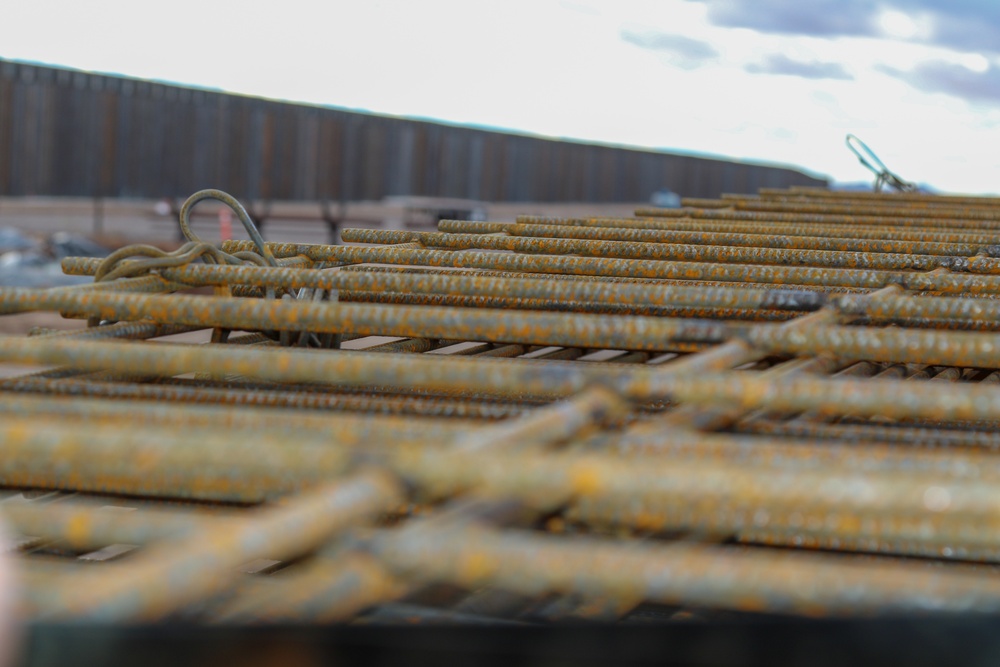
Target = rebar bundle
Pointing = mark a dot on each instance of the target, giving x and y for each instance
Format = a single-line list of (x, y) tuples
[(781, 404)]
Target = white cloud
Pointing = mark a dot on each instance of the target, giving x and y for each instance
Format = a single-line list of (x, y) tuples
[(900, 25)]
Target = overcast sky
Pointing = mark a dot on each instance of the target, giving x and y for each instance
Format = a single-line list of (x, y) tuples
[(775, 80)]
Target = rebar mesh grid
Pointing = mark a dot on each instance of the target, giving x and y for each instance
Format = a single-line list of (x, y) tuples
[(782, 404)]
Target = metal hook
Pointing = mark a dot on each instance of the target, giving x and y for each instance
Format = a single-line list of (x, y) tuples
[(184, 219), (867, 157)]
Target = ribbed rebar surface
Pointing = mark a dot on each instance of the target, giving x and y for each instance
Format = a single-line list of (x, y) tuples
[(782, 404)]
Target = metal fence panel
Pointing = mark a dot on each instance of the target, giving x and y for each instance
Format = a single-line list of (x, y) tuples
[(68, 133)]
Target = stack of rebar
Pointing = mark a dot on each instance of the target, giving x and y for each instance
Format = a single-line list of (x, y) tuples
[(781, 404)]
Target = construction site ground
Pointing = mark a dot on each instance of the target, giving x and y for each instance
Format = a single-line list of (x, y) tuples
[(120, 221)]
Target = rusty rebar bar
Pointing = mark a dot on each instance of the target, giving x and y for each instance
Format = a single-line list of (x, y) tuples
[(808, 229), (841, 230), (731, 239), (681, 252), (966, 402), (754, 580), (257, 397), (161, 580), (939, 214), (908, 197), (637, 268), (568, 329), (509, 286), (852, 218)]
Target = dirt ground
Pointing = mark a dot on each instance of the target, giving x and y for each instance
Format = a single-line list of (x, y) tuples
[(22, 323), (146, 221)]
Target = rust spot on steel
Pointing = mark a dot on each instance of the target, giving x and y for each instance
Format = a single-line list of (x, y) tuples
[(811, 378)]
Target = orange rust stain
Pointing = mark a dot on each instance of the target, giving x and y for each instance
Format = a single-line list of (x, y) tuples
[(77, 529), (476, 566), (585, 479), (16, 433)]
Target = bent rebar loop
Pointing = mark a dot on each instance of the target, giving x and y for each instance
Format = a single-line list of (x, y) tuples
[(883, 176)]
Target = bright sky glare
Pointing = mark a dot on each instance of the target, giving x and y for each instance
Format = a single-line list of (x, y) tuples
[(772, 80)]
